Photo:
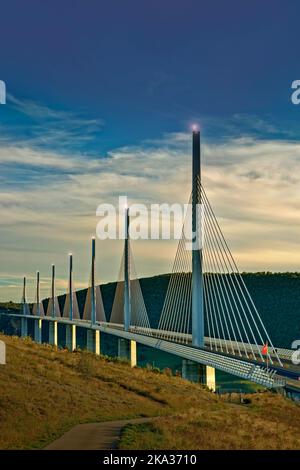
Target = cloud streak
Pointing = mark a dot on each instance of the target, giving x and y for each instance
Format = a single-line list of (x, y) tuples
[(253, 185), (42, 127)]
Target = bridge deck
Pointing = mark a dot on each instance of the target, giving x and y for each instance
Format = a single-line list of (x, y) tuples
[(246, 369)]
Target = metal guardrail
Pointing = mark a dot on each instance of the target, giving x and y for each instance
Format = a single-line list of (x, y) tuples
[(222, 345)]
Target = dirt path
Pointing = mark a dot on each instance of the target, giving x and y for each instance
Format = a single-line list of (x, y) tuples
[(93, 436)]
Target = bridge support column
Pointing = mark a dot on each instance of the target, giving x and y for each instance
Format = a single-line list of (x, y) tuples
[(211, 378), (127, 350), (24, 327), (38, 330), (53, 333), (192, 371), (93, 341), (133, 354), (71, 337), (195, 372)]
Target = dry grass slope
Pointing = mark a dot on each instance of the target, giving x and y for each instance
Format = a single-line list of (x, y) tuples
[(268, 422), (44, 392)]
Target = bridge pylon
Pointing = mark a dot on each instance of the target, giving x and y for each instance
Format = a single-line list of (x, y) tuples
[(38, 311), (127, 299), (53, 310), (71, 310), (197, 271), (71, 286), (25, 311), (93, 296), (127, 348), (93, 307)]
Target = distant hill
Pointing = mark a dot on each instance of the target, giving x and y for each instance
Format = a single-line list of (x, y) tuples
[(276, 296)]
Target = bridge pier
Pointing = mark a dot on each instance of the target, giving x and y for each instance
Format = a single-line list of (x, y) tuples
[(38, 330), (192, 371), (24, 327), (53, 333), (93, 341), (127, 349), (71, 337), (133, 354), (211, 378), (195, 372)]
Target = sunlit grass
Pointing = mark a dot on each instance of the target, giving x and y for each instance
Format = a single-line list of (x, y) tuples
[(45, 391), (269, 421)]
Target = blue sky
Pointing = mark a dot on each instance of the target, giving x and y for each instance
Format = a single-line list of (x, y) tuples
[(99, 92)]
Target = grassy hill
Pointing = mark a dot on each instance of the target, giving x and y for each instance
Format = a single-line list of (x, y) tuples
[(268, 422), (44, 392)]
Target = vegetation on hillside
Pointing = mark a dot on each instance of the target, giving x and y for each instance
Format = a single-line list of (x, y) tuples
[(10, 306), (45, 391), (268, 421)]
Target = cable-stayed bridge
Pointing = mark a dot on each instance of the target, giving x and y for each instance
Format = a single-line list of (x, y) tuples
[(208, 317)]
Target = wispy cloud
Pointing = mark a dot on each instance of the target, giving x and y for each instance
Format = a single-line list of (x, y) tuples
[(37, 111), (51, 128), (253, 184)]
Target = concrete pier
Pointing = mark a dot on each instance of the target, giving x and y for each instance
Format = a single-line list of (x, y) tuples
[(93, 341), (211, 378), (199, 373), (53, 333), (133, 354), (192, 371), (71, 337), (127, 350), (24, 327), (38, 330)]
